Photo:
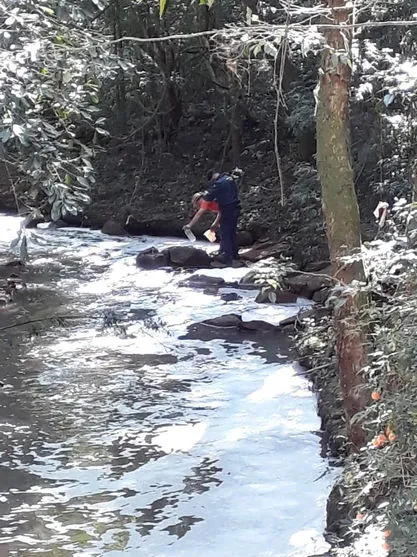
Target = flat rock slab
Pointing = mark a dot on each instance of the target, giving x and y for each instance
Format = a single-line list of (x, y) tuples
[(265, 250), (208, 282), (258, 325), (203, 281), (226, 321), (306, 284), (233, 320), (230, 297), (276, 297)]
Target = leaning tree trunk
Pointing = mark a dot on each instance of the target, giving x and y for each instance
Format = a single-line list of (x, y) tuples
[(341, 209)]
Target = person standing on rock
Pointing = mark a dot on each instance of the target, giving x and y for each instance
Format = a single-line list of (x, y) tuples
[(224, 191)]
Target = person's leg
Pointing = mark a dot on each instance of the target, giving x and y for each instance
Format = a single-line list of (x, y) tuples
[(234, 235), (226, 229), (220, 235)]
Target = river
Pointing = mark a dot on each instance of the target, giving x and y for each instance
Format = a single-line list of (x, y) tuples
[(137, 434)]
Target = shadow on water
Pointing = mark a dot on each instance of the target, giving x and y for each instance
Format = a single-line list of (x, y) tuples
[(270, 346), (154, 436)]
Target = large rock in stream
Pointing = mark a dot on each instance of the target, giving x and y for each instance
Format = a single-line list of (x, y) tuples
[(113, 228), (158, 225), (234, 321), (307, 285), (151, 258), (187, 256), (264, 250), (176, 256)]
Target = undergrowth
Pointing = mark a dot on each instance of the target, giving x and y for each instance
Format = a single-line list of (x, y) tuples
[(381, 482), (373, 507)]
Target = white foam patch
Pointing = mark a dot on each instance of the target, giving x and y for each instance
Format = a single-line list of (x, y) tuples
[(223, 438), (9, 229), (273, 314)]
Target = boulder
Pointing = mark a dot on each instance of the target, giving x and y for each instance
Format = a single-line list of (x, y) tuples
[(32, 221), (53, 225), (251, 279), (187, 256), (270, 296), (16, 263), (265, 250), (320, 296), (306, 285), (230, 297), (258, 325), (257, 230), (289, 322), (113, 228), (218, 264), (203, 281), (244, 238), (317, 266), (225, 321), (78, 220), (233, 321), (151, 258), (159, 225)]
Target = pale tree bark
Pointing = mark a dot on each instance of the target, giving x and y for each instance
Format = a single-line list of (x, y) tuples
[(341, 210)]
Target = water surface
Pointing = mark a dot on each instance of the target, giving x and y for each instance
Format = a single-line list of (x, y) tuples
[(122, 433)]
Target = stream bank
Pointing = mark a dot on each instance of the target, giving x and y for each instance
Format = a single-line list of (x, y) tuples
[(372, 507)]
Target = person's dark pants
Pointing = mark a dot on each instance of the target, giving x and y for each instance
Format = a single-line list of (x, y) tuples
[(229, 217)]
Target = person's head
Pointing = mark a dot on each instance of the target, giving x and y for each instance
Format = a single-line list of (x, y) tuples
[(196, 198), (212, 175)]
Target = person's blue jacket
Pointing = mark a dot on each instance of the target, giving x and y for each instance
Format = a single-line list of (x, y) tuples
[(224, 190)]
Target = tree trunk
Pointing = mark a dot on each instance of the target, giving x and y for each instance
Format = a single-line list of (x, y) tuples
[(333, 149), (341, 210)]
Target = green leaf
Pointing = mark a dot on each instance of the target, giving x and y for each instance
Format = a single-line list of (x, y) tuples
[(47, 11), (5, 136), (162, 7), (257, 49), (56, 210), (24, 250), (83, 181), (272, 297), (16, 241), (94, 98), (67, 179), (270, 49), (248, 16)]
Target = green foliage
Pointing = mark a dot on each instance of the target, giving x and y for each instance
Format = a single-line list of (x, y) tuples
[(381, 482), (383, 112), (162, 7), (49, 92)]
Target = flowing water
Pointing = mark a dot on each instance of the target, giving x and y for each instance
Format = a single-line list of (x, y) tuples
[(149, 437)]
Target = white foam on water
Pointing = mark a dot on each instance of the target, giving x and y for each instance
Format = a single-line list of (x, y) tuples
[(211, 453)]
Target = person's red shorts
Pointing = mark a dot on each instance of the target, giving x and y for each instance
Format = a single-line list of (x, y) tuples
[(209, 206)]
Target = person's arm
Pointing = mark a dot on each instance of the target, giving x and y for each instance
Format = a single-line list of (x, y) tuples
[(212, 194), (216, 223), (195, 218)]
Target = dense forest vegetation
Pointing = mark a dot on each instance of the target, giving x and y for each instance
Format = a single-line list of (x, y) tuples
[(113, 108)]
